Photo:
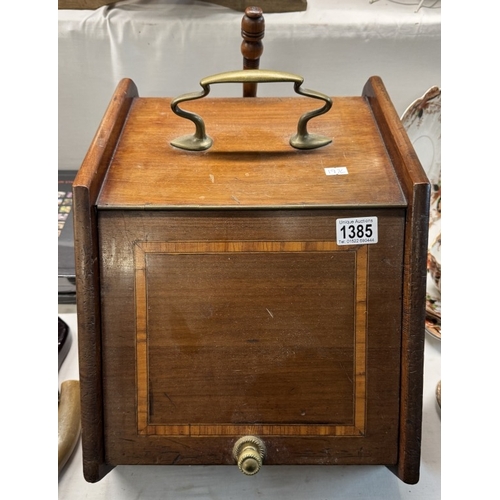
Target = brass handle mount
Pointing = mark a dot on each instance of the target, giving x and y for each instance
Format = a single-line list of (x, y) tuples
[(249, 452), (200, 141)]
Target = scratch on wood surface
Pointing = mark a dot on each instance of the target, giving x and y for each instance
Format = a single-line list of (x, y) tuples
[(270, 313), (346, 372), (235, 199), (212, 177), (170, 399)]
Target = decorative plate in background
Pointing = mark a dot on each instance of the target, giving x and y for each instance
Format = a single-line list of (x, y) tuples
[(422, 121)]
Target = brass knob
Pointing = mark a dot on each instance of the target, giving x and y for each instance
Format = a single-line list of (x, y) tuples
[(249, 451)]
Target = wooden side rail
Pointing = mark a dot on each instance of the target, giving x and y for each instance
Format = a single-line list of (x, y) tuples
[(416, 188), (86, 189)]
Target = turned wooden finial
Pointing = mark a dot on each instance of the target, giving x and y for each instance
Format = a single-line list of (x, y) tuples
[(252, 31)]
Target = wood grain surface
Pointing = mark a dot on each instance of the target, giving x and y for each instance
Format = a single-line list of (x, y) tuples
[(251, 163)]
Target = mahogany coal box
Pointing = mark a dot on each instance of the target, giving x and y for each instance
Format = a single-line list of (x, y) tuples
[(252, 302)]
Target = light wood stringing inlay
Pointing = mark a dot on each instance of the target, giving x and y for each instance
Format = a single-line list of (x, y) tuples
[(207, 429)]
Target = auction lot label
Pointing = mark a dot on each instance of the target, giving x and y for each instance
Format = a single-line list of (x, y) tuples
[(359, 231)]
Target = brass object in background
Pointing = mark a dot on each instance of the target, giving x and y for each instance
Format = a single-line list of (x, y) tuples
[(69, 420)]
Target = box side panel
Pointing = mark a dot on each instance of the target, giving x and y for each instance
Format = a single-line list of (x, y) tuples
[(86, 187), (416, 187)]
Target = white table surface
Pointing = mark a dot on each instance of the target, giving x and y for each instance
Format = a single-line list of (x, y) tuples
[(276, 482)]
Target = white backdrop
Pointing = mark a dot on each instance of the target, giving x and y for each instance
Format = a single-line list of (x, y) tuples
[(167, 46)]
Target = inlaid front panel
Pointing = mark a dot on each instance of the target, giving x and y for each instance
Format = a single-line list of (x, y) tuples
[(250, 336), (224, 323)]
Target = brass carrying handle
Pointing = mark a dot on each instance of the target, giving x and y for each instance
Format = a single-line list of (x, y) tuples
[(200, 141)]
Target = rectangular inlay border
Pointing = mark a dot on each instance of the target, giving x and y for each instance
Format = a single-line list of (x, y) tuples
[(142, 248)]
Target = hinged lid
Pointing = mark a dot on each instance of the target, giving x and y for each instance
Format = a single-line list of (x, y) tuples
[(251, 164)]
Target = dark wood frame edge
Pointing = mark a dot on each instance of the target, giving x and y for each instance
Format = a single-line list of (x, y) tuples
[(416, 188), (271, 6), (86, 188)]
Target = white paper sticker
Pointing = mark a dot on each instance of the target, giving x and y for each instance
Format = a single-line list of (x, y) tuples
[(357, 231), (336, 171)]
